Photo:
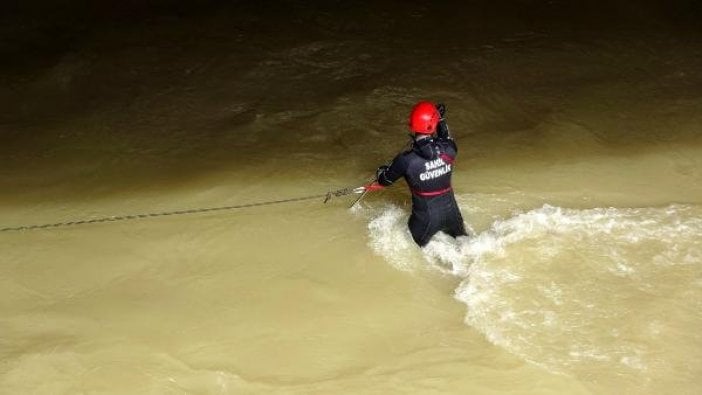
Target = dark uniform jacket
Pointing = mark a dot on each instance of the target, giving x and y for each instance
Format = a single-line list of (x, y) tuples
[(427, 168)]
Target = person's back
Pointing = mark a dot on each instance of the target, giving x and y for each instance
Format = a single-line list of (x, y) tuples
[(427, 168)]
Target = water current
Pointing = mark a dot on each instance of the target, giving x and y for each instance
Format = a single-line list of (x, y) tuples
[(579, 176)]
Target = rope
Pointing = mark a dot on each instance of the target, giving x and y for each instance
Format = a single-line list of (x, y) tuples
[(327, 196)]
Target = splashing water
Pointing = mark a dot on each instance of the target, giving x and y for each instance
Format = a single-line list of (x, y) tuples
[(611, 296)]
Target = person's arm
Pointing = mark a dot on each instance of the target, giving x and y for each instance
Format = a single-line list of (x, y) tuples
[(442, 129), (387, 175)]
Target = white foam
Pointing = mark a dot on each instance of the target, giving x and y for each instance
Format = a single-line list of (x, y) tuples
[(567, 289), (390, 237)]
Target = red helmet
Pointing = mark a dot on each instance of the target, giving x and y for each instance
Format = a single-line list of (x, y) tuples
[(424, 118)]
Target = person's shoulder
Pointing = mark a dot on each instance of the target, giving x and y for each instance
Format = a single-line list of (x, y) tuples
[(446, 140), (443, 138), (448, 143), (406, 153), (404, 157)]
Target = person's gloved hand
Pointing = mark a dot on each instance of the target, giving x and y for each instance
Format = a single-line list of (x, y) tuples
[(382, 169), (441, 108)]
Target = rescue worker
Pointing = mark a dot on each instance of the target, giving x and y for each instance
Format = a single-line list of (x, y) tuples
[(427, 168)]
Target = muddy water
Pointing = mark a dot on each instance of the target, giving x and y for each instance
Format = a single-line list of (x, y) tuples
[(579, 175)]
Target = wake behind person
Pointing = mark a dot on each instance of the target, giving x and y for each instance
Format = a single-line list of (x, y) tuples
[(427, 168)]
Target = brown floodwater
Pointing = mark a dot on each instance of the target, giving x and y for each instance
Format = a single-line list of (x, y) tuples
[(579, 175)]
